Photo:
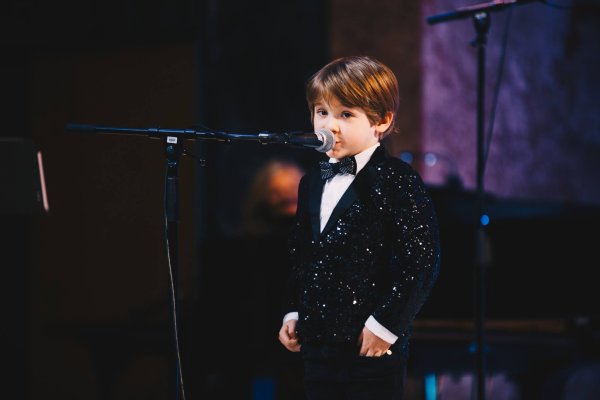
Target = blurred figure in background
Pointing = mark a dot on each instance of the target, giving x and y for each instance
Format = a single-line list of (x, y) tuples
[(272, 198)]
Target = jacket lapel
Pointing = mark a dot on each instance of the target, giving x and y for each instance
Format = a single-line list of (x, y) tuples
[(359, 189), (315, 194)]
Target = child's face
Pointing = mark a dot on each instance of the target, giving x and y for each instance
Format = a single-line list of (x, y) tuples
[(350, 125)]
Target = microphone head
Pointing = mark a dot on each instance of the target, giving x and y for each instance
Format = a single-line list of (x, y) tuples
[(326, 137)]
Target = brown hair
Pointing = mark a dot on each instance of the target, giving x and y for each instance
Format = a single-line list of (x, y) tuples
[(357, 81)]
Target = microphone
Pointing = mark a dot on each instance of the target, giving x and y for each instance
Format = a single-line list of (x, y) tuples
[(321, 140)]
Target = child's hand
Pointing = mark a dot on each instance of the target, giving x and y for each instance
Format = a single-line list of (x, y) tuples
[(287, 336), (372, 345)]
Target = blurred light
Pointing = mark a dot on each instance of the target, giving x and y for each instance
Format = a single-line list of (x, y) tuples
[(407, 157), (473, 348), (430, 159), (430, 386), (485, 219)]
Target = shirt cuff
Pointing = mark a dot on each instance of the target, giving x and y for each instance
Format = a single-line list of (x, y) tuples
[(291, 315), (379, 330)]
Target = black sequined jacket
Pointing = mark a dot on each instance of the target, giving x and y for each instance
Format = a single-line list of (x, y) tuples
[(379, 254)]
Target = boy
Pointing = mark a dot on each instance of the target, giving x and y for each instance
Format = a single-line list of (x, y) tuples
[(364, 248)]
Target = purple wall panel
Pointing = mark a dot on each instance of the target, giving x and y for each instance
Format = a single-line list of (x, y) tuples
[(546, 140)]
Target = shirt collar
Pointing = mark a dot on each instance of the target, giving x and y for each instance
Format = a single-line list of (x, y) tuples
[(361, 158)]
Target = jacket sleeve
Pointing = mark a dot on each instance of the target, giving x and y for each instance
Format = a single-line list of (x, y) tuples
[(414, 262), (295, 249)]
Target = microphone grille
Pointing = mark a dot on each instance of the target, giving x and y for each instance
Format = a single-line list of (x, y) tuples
[(326, 137)]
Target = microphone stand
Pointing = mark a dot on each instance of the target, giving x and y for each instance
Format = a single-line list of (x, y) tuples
[(173, 150), (482, 22), (172, 139)]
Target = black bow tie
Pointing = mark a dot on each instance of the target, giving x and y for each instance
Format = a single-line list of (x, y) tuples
[(346, 165)]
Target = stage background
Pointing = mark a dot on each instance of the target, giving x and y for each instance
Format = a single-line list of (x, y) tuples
[(85, 287)]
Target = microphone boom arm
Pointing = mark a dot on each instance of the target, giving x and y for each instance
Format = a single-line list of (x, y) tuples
[(464, 12), (293, 138)]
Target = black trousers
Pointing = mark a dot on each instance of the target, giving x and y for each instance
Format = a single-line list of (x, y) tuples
[(340, 373)]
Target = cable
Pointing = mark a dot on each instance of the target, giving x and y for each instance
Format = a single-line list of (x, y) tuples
[(497, 88), (179, 374), (501, 74)]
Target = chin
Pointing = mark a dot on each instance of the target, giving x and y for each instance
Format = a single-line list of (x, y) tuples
[(336, 154)]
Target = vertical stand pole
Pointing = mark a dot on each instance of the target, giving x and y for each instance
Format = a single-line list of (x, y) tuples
[(173, 150), (482, 25)]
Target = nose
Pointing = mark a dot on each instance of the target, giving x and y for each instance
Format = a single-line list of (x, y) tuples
[(332, 124)]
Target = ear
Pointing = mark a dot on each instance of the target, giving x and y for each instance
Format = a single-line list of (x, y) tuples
[(384, 123)]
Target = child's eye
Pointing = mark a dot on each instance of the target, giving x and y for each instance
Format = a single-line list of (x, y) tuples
[(321, 112), (346, 114)]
